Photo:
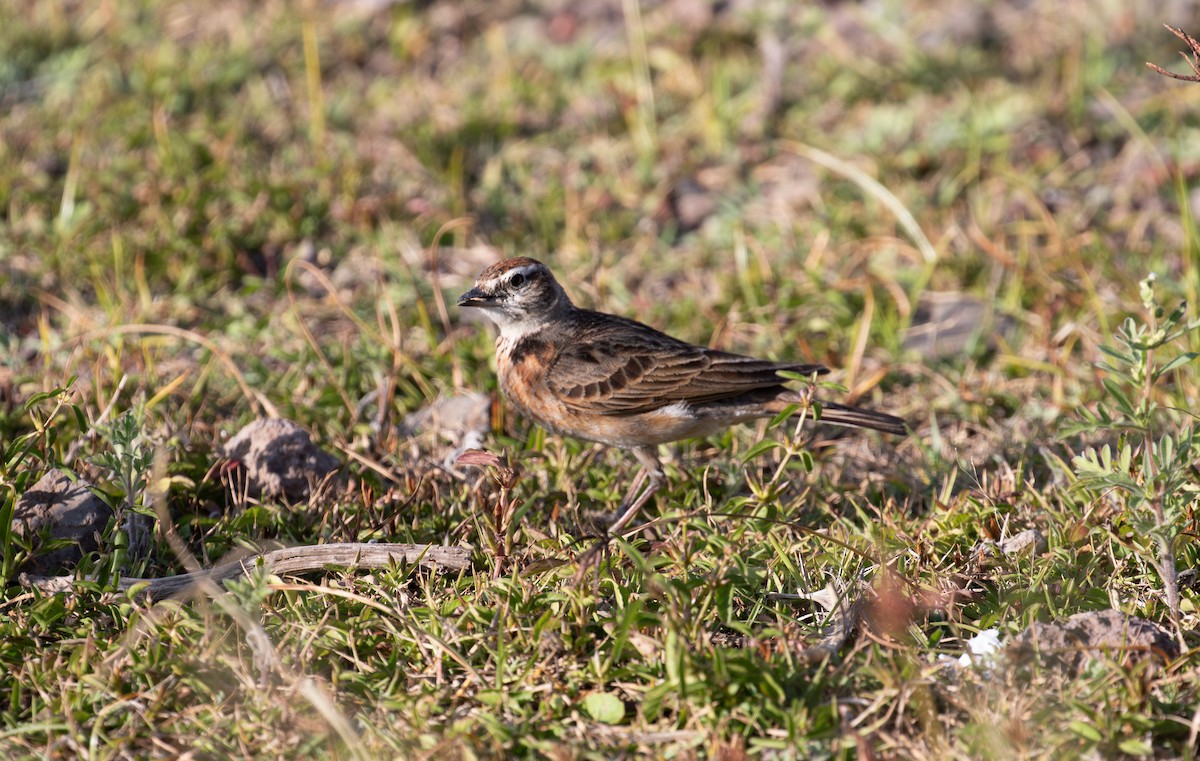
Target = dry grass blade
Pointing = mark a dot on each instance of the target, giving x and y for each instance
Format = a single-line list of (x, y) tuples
[(308, 335), (873, 188), (257, 401), (439, 299)]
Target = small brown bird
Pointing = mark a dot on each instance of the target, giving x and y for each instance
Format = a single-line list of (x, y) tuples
[(604, 378)]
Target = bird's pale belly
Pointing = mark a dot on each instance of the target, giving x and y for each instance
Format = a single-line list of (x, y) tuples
[(671, 422)]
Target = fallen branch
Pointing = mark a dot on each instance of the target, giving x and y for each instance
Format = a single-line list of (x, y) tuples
[(290, 560)]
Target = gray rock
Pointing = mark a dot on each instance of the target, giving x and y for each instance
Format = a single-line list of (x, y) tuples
[(946, 324), (280, 458), (1094, 634), (1030, 540), (461, 419), (55, 508)]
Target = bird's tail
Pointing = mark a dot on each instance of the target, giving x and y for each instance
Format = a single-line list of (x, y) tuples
[(855, 417)]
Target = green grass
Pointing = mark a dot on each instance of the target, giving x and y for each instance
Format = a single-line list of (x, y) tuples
[(178, 179)]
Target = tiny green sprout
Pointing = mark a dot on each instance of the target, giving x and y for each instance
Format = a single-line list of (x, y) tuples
[(1146, 289)]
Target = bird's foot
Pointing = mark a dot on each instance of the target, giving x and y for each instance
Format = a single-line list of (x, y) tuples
[(597, 523), (605, 528), (593, 557)]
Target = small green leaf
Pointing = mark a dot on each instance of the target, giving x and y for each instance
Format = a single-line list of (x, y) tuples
[(491, 698), (1118, 394), (652, 701), (80, 418), (1084, 464), (1125, 458), (806, 460), (37, 399), (787, 412), (1135, 747), (604, 707), (1179, 361), (1175, 316), (725, 597), (1086, 731), (1120, 356), (791, 375), (766, 445)]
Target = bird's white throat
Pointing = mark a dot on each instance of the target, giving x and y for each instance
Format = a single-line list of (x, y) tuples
[(513, 329)]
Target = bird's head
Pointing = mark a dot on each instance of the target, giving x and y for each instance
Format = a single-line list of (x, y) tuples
[(519, 295)]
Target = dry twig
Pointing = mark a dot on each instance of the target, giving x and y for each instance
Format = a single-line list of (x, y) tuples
[(1193, 62), (291, 560)]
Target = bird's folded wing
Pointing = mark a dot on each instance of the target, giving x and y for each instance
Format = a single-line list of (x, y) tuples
[(619, 376)]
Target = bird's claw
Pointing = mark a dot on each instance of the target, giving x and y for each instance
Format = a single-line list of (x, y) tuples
[(593, 557)]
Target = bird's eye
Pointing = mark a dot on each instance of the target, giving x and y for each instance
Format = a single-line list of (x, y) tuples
[(517, 281)]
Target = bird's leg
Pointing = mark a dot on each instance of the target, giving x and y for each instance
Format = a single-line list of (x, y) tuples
[(632, 492), (638, 496)]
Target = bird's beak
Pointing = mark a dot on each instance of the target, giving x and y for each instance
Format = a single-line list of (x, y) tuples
[(476, 298)]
